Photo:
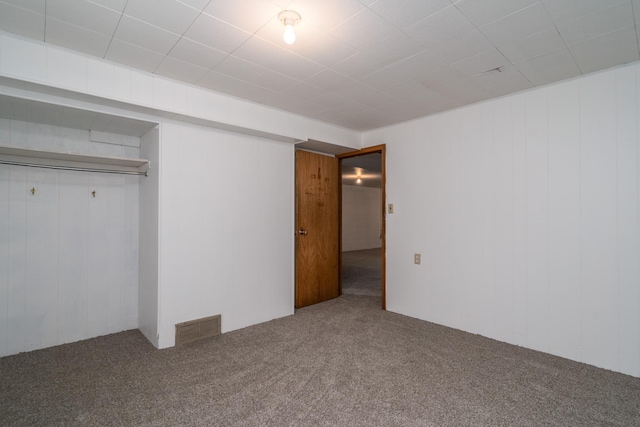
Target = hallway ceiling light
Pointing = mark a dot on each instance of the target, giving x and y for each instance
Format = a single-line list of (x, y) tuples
[(289, 18)]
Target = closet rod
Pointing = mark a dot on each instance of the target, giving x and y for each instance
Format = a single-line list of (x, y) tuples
[(72, 168)]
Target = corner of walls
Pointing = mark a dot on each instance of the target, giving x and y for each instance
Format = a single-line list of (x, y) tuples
[(526, 210), (226, 245)]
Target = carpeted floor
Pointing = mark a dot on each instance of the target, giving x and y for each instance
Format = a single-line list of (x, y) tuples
[(344, 362), (362, 272)]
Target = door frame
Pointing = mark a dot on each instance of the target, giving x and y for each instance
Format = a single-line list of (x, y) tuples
[(375, 149)]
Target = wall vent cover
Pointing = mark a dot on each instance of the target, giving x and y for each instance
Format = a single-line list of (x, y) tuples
[(198, 329)]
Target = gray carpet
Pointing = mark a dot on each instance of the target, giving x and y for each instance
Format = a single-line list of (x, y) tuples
[(344, 362), (362, 272)]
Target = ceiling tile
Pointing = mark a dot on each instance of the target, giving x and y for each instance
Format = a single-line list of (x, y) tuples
[(326, 14), (197, 54), (520, 49), (501, 83), (76, 38), (295, 66), (384, 78), (216, 34), (352, 105), (259, 52), (179, 70), (37, 6), (275, 81), (329, 80), (22, 21), (483, 12), (327, 50), (228, 11), (568, 10), (393, 49), (388, 62), (365, 94), (196, 4), (468, 43), (459, 90), (418, 97), (532, 20), (418, 65), (618, 47), (339, 118), (319, 96), (358, 65), (117, 5), (133, 56), (170, 15), (364, 30), (548, 68), (84, 14), (443, 73), (405, 13), (135, 32), (239, 68), (602, 22), (439, 27), (481, 63)]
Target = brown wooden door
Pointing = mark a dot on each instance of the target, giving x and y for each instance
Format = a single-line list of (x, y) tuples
[(317, 236)]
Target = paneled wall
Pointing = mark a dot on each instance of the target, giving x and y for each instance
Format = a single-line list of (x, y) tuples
[(361, 218), (148, 238), (226, 222), (526, 212), (68, 260)]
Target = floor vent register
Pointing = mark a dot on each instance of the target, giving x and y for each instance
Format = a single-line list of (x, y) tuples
[(198, 329)]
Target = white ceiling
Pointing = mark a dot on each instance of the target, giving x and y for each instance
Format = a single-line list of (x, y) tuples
[(360, 64)]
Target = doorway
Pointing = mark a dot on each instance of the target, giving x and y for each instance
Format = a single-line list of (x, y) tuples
[(362, 222)]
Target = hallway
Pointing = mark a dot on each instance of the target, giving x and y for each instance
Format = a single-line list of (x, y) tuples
[(362, 272)]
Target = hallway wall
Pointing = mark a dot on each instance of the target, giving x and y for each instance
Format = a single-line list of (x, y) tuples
[(361, 218)]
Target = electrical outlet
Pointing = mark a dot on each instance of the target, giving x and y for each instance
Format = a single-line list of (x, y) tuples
[(416, 258), (390, 208)]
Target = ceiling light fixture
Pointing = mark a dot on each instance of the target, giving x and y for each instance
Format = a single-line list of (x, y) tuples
[(289, 18)]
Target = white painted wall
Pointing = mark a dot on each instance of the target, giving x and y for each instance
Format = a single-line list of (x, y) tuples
[(226, 221), (68, 261), (149, 237), (526, 212), (49, 65), (225, 241), (361, 218)]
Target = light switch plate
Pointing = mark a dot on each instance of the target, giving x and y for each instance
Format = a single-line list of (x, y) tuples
[(390, 208)]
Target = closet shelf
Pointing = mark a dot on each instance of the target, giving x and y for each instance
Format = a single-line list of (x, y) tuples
[(73, 160)]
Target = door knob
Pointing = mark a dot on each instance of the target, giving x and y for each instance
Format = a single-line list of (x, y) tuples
[(302, 232)]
